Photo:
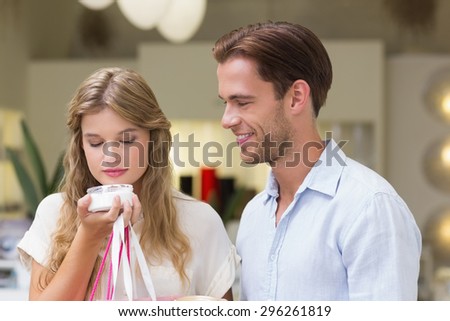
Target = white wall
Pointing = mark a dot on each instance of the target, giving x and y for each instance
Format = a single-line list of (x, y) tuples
[(51, 85), (13, 57), (411, 128)]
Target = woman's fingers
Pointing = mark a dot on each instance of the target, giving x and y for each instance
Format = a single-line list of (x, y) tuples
[(83, 205), (131, 212), (137, 209), (115, 208), (127, 212)]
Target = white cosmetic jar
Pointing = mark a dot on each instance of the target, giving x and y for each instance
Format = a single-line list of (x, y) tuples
[(102, 196)]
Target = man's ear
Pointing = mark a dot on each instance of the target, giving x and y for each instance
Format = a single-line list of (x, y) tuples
[(299, 96)]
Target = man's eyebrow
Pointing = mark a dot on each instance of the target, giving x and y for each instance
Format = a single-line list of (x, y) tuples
[(238, 96)]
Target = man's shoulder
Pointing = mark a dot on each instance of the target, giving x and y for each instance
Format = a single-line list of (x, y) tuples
[(366, 179)]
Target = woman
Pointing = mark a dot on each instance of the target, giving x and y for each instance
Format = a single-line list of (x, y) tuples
[(119, 135)]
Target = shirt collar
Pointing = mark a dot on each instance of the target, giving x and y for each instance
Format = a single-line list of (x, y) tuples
[(323, 177)]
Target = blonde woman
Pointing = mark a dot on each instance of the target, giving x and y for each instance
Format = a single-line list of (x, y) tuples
[(119, 135)]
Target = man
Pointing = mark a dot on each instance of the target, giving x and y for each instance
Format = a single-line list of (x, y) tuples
[(325, 227)]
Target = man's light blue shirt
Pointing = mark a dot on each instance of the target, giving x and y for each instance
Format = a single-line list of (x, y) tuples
[(347, 235)]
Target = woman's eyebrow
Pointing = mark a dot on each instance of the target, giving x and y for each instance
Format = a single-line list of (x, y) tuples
[(127, 130), (91, 135)]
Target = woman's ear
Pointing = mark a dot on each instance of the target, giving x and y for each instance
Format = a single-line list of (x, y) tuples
[(299, 96)]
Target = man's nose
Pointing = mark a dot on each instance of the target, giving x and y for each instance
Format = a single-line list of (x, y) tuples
[(230, 117)]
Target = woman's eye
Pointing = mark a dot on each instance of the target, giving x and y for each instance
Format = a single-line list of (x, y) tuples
[(95, 144), (126, 142)]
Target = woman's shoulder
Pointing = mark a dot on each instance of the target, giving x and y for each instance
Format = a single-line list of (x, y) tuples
[(202, 224), (188, 206), (189, 202), (55, 199), (50, 204)]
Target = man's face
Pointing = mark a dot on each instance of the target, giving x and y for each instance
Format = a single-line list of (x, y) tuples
[(252, 112)]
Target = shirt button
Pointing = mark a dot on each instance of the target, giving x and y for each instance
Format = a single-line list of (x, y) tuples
[(272, 257)]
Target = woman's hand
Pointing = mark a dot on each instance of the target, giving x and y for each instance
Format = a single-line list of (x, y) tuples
[(98, 225), (136, 214), (72, 278)]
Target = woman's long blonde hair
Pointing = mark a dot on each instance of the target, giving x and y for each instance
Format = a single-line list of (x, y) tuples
[(128, 94)]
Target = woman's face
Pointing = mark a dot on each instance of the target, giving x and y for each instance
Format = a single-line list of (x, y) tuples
[(116, 150)]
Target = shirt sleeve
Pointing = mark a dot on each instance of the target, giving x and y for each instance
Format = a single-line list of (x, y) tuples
[(381, 251), (36, 241)]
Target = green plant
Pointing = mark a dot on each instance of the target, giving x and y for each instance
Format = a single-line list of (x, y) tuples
[(235, 205), (33, 178)]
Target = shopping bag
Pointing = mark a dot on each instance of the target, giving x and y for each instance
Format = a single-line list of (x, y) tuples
[(123, 239)]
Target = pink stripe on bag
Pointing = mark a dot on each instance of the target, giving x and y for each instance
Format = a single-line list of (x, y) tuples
[(124, 237), (100, 270)]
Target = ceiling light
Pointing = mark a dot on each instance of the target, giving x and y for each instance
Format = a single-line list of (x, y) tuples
[(96, 4), (176, 20), (182, 20), (437, 94), (143, 14)]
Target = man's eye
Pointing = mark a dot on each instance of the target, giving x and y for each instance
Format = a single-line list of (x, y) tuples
[(242, 103), (126, 142)]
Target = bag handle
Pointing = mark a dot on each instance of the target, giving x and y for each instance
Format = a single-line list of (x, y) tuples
[(117, 258), (116, 244), (101, 268), (142, 262)]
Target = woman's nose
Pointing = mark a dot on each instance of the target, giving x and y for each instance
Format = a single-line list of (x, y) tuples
[(112, 155)]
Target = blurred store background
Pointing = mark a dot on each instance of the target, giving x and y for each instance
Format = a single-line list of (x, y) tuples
[(390, 99)]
